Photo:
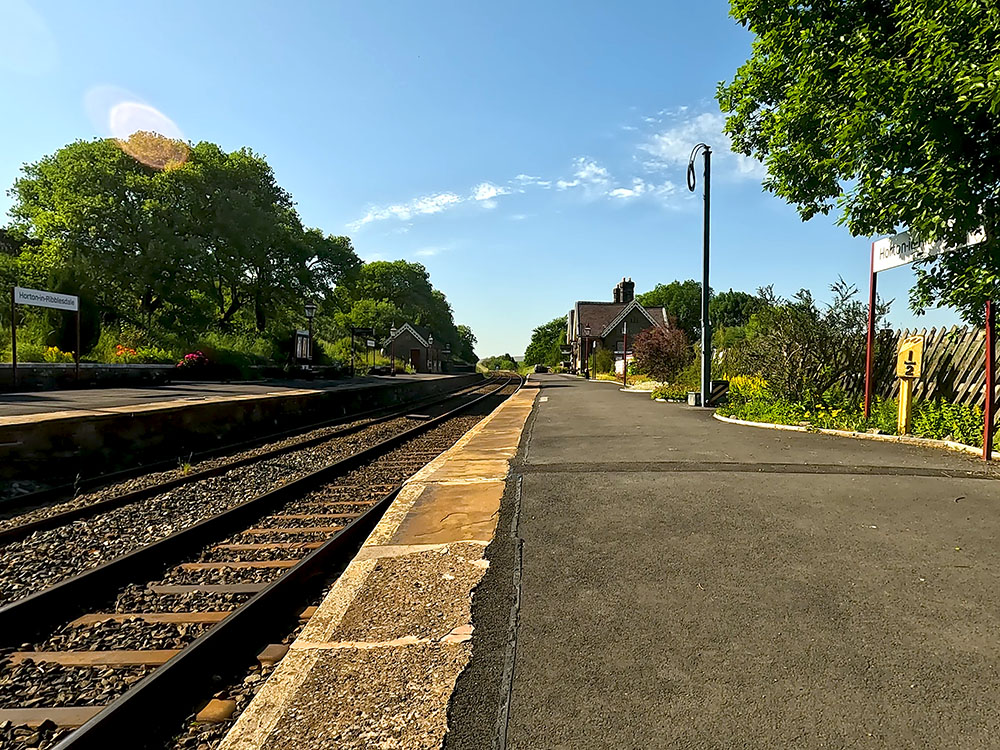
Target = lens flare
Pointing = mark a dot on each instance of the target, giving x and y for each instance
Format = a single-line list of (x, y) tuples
[(140, 129)]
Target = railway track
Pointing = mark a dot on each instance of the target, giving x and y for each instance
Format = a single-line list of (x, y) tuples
[(51, 544), (19, 514), (125, 649)]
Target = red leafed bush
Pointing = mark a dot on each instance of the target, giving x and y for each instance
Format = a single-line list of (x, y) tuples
[(661, 352)]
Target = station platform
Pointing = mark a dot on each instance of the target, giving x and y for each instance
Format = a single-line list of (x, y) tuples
[(70, 403), (679, 582), (65, 433)]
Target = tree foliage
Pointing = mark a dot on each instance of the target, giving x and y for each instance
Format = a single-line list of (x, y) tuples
[(802, 349), (383, 294), (662, 352), (180, 241), (682, 300), (889, 112), (209, 242), (543, 349), (499, 362), (731, 309)]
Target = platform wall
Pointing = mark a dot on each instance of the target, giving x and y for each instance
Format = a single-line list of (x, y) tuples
[(95, 443)]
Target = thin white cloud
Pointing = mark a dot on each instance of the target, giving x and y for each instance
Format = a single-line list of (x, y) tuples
[(587, 174), (486, 193), (427, 204), (639, 187), (525, 180), (427, 252), (670, 147)]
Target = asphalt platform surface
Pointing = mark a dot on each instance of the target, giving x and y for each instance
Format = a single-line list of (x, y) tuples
[(679, 582), (95, 399)]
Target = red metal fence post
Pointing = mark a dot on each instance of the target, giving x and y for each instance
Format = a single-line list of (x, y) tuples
[(989, 404), (870, 347)]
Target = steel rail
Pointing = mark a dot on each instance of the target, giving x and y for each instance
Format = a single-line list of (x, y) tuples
[(23, 619), (160, 700), (22, 531), (22, 503)]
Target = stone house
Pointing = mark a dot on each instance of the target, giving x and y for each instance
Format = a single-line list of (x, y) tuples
[(603, 325)]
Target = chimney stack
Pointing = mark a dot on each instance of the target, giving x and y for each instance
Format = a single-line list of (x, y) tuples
[(628, 290), (618, 293)]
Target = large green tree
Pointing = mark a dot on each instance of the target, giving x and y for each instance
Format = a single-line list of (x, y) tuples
[(732, 308), (203, 239), (466, 344), (887, 111), (543, 348), (382, 294), (682, 299)]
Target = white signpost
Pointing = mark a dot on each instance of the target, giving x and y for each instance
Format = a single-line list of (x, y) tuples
[(41, 298), (900, 250)]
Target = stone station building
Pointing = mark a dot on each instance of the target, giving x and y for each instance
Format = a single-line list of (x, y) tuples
[(415, 346), (591, 326)]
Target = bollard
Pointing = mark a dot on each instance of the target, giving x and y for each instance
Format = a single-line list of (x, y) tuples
[(908, 364)]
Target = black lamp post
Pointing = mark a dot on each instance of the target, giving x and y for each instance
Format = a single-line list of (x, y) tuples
[(392, 351), (310, 314), (706, 329), (430, 349), (586, 349)]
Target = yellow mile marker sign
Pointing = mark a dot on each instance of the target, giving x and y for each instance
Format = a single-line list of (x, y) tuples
[(908, 362)]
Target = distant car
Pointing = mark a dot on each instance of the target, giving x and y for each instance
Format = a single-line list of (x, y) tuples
[(541, 368)]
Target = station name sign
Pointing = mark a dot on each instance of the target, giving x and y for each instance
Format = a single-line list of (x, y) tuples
[(901, 249), (40, 298)]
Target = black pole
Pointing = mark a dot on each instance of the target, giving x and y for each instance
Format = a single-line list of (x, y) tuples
[(13, 340), (310, 342), (706, 326), (77, 357), (352, 353)]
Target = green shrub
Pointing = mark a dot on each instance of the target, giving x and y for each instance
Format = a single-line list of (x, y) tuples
[(670, 392), (931, 419), (604, 360), (943, 421)]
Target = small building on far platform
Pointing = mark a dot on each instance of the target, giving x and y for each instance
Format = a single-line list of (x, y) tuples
[(415, 346)]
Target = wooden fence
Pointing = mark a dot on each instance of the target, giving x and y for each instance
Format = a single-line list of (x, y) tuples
[(954, 366)]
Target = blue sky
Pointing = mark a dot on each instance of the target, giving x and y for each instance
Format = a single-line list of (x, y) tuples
[(529, 154)]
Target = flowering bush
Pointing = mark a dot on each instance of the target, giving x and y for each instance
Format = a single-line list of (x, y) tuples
[(54, 354), (661, 352), (745, 388), (193, 359), (123, 352)]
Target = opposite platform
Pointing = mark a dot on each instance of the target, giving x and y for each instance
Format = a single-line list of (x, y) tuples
[(88, 432)]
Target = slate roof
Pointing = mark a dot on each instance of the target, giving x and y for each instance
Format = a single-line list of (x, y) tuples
[(598, 315), (422, 333)]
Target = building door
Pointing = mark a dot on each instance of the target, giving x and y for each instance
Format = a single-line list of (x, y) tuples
[(415, 360)]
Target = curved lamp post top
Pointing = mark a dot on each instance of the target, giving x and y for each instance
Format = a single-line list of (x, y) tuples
[(691, 177)]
